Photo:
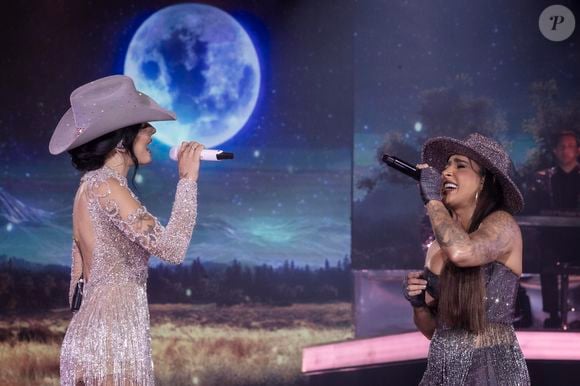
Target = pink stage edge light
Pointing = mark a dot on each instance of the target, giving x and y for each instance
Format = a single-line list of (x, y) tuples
[(536, 345)]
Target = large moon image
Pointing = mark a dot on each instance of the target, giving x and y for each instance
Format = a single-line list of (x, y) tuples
[(198, 61)]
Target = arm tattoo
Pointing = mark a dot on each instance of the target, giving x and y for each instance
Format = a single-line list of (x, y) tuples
[(492, 240), (447, 231)]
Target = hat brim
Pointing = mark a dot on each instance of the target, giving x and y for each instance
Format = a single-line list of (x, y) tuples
[(437, 151), (63, 135), (67, 137)]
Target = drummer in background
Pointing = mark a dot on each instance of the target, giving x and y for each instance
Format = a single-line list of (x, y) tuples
[(556, 192)]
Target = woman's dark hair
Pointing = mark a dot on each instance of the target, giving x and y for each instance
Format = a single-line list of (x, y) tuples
[(92, 155), (462, 296)]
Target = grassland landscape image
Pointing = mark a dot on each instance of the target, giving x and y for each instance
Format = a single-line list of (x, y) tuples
[(215, 335)]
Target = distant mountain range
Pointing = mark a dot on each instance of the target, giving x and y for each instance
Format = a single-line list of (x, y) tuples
[(23, 264), (16, 212), (19, 263)]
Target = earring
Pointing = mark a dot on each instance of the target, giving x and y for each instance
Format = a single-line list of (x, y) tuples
[(476, 196), (120, 147)]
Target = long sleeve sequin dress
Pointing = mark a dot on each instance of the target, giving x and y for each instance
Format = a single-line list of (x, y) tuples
[(108, 341), (493, 357)]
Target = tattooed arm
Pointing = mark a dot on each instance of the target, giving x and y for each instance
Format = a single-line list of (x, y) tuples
[(495, 239)]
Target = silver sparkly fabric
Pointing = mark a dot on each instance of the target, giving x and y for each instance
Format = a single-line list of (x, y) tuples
[(493, 357), (484, 150), (108, 340)]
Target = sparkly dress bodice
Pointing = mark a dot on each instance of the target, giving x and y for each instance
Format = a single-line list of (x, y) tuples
[(108, 340), (492, 357), (501, 287)]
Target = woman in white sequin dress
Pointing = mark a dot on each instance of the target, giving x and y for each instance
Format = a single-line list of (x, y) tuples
[(105, 131)]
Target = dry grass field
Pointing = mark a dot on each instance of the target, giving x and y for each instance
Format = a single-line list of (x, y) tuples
[(192, 344)]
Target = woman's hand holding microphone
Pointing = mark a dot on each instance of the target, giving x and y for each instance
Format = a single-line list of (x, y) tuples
[(188, 160), (430, 183)]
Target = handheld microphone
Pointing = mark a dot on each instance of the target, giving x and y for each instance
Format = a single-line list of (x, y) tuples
[(206, 154), (402, 166)]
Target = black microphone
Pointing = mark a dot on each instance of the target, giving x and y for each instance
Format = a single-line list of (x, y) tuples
[(402, 166)]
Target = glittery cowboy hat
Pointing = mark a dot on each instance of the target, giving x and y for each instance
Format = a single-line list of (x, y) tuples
[(102, 106), (486, 152)]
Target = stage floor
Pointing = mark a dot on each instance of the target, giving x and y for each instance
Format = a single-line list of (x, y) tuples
[(412, 346)]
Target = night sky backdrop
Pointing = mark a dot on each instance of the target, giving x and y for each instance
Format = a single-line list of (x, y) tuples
[(431, 68), (286, 195), (341, 81)]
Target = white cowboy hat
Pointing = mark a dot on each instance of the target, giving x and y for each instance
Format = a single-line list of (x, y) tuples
[(103, 106)]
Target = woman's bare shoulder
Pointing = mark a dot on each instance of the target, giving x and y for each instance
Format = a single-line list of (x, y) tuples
[(434, 258)]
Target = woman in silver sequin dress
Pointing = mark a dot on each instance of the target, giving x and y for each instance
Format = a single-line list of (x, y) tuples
[(465, 298), (106, 133)]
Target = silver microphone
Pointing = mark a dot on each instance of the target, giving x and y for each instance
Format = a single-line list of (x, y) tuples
[(206, 154)]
